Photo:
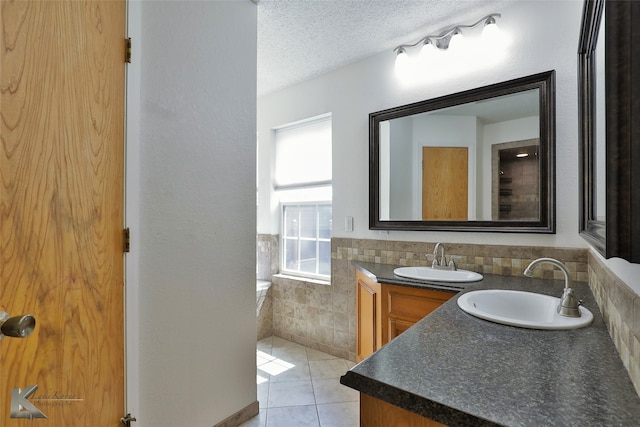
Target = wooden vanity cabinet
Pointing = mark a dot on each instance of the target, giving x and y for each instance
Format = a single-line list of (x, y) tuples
[(378, 413), (384, 311), (368, 316)]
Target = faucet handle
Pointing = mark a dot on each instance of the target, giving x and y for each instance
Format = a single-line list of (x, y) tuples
[(452, 262), (569, 304), (433, 259)]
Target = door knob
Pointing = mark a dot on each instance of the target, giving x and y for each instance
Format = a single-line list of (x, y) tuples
[(17, 326), (127, 420)]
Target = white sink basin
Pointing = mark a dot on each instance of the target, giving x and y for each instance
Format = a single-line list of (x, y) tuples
[(522, 309), (434, 275)]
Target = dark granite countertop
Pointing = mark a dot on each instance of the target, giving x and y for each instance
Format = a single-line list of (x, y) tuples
[(460, 370)]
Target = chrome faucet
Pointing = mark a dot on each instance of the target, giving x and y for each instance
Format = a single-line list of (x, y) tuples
[(569, 305), (442, 264)]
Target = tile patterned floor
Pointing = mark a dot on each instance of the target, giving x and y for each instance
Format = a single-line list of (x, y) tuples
[(300, 387)]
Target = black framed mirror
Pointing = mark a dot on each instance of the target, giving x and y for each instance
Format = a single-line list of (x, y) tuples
[(478, 160), (591, 105), (617, 233)]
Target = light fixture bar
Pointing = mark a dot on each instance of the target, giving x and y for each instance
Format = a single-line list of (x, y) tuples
[(441, 41)]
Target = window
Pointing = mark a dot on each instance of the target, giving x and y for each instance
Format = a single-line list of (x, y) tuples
[(303, 188), (306, 239), (303, 154)]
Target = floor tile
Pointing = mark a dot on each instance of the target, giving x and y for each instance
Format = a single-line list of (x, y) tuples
[(333, 368), (297, 372), (346, 414), (298, 416), (331, 391), (263, 394), (318, 355), (298, 386), (265, 345), (275, 367), (258, 421), (290, 354), (264, 357), (292, 393)]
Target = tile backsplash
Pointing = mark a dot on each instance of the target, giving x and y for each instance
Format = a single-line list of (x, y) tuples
[(488, 259)]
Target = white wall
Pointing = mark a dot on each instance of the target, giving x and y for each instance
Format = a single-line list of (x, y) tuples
[(197, 186), (401, 188), (544, 36)]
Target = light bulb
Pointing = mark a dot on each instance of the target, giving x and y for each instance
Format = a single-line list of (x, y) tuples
[(491, 31), (457, 41), (402, 62), (427, 53)]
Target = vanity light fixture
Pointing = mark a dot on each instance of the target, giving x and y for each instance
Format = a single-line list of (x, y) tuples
[(449, 38)]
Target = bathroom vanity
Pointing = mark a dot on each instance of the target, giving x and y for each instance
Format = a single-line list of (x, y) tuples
[(385, 310), (451, 368)]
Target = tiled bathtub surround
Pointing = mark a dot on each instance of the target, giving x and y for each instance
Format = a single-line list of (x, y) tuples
[(620, 308), (264, 309), (268, 251), (315, 314)]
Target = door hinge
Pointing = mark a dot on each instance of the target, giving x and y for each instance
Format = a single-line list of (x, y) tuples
[(127, 420), (127, 50), (126, 240)]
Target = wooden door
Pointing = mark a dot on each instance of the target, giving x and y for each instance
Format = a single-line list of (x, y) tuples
[(61, 211), (445, 183)]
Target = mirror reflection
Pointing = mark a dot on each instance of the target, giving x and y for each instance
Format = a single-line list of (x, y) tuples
[(600, 128), (476, 160), (467, 162)]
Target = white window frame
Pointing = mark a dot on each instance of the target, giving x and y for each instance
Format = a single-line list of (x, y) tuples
[(317, 239)]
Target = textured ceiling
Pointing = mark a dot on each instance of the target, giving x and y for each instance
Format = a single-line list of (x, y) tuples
[(301, 39)]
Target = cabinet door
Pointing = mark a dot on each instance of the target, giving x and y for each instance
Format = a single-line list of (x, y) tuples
[(404, 306), (368, 316)]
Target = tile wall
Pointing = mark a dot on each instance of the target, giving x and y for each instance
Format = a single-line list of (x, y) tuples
[(620, 307)]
